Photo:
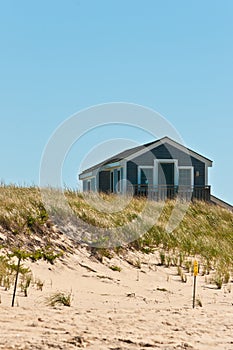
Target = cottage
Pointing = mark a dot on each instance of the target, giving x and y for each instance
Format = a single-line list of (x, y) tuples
[(160, 169)]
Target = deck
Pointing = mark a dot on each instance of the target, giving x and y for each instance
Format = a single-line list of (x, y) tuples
[(161, 193)]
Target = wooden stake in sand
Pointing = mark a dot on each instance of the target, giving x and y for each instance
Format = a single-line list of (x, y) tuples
[(16, 280), (195, 273)]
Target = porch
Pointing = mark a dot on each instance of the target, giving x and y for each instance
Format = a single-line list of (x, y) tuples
[(163, 192)]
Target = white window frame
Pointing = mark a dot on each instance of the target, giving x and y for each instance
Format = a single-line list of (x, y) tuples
[(192, 173), (124, 176), (156, 170), (206, 175), (118, 189), (115, 190)]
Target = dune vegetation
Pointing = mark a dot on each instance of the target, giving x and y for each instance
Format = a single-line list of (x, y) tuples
[(206, 231)]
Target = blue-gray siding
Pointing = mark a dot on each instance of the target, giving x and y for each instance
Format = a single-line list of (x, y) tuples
[(92, 184), (165, 151)]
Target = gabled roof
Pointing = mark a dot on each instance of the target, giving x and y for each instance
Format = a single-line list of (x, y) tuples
[(136, 151)]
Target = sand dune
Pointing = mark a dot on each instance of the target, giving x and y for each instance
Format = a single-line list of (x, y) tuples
[(132, 309)]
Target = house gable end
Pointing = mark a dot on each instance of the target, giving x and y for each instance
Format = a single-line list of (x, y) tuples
[(170, 143)]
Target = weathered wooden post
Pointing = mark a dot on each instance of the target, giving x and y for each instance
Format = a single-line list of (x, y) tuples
[(16, 280)]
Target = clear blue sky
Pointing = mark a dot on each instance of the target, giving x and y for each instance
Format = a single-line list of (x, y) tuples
[(58, 57)]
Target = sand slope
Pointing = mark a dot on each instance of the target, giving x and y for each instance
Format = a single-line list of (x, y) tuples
[(131, 309)]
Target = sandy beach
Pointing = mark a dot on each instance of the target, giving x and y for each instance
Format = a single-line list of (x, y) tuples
[(135, 308)]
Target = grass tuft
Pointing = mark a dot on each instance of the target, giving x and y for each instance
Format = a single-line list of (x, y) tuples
[(59, 298), (115, 268)]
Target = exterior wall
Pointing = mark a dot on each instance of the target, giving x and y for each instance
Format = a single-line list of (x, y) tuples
[(198, 167), (132, 172), (84, 185), (92, 184), (166, 151)]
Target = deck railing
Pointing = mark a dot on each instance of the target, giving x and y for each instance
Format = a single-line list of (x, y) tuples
[(159, 193)]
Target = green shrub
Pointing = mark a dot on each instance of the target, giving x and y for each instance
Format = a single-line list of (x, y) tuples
[(115, 268)]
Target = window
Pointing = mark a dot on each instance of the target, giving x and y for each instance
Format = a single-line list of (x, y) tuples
[(88, 185), (186, 176), (146, 176)]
